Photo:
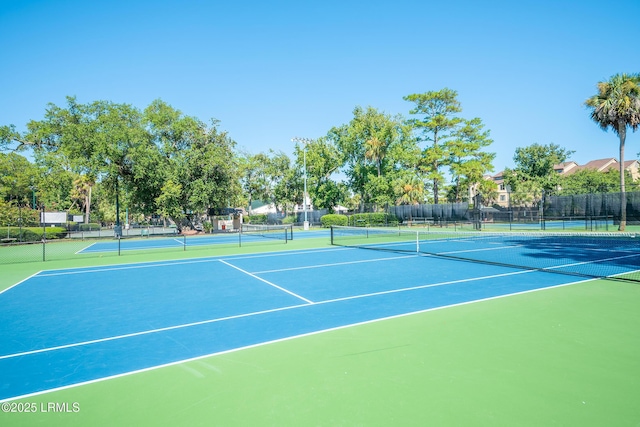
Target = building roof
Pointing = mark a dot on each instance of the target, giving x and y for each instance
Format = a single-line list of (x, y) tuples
[(571, 167), (565, 167)]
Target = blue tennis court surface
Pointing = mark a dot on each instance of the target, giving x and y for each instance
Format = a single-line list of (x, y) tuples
[(66, 327)]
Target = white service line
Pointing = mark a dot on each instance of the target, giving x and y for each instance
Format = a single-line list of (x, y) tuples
[(334, 264), (84, 249), (268, 282), (151, 331)]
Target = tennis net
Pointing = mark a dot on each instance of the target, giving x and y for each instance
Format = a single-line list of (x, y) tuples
[(280, 232), (592, 255)]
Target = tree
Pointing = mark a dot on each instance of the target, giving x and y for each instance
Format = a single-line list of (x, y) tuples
[(409, 190), (467, 162), (8, 137), (17, 178), (268, 177), (534, 172), (375, 151), (489, 190), (586, 181), (101, 139), (617, 106), (188, 167), (373, 146), (436, 126), (159, 160), (323, 160), (251, 173), (81, 194)]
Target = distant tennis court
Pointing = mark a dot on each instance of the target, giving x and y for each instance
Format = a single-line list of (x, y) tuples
[(250, 234), (73, 326)]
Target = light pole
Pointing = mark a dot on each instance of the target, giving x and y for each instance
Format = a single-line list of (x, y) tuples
[(508, 188), (304, 141)]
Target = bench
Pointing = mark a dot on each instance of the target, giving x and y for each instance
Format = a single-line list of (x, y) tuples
[(419, 220)]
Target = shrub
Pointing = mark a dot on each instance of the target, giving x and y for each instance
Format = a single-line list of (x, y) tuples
[(258, 219), (289, 219), (333, 219), (34, 234)]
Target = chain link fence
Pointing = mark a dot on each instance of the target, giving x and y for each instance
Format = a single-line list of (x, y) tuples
[(585, 212), (103, 244)]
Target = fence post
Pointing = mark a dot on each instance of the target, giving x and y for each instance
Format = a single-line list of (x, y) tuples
[(44, 234)]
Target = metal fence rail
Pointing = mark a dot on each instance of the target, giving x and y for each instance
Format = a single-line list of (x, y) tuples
[(104, 247)]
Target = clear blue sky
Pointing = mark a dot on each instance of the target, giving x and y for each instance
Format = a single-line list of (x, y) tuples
[(270, 71)]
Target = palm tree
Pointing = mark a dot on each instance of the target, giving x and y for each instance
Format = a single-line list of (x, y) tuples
[(375, 152), (617, 105), (81, 193), (410, 191)]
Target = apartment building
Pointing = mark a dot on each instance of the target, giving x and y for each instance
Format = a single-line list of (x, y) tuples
[(568, 168)]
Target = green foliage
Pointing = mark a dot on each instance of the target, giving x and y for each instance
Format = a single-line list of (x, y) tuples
[(468, 163), (18, 177), (161, 161), (10, 214), (333, 219), (617, 103), (373, 144), (269, 177), (489, 190), (438, 122), (587, 181), (408, 190), (156, 161), (33, 234), (289, 219), (8, 137), (323, 159), (534, 172), (258, 219), (169, 201), (617, 106)]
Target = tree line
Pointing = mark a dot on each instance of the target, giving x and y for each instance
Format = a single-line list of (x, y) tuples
[(159, 161)]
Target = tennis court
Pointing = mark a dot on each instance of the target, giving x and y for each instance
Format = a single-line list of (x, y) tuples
[(66, 331), (68, 327), (248, 234)]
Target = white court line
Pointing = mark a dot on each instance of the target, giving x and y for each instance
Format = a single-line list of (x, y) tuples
[(255, 313), (147, 264), (84, 249), (179, 241), (152, 264), (335, 264), (151, 331), (169, 245), (288, 253), (233, 350), (267, 282), (21, 281), (432, 285), (169, 263)]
